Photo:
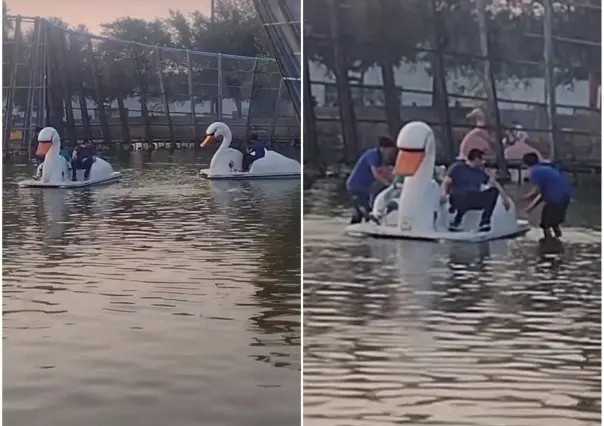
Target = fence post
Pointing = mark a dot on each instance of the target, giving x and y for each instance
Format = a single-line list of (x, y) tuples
[(164, 95), (98, 95), (191, 97), (490, 87), (31, 91), (275, 112), (311, 141), (346, 107), (67, 94), (42, 119), (550, 84), (441, 74), (219, 105), (8, 117), (249, 109)]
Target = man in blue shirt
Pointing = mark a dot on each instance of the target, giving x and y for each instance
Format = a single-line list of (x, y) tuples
[(468, 187), (369, 176), (257, 151), (552, 188), (83, 158)]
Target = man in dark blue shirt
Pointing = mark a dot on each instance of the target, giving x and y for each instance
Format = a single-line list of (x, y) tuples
[(552, 188), (257, 151), (468, 187), (369, 177), (83, 158)]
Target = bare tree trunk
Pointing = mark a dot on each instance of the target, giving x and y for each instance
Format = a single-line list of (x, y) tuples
[(391, 96), (84, 112), (123, 120)]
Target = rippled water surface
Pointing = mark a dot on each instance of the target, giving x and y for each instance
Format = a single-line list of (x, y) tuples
[(162, 300), (400, 332)]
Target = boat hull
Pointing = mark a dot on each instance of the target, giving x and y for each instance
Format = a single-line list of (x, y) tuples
[(205, 173), (370, 229), (33, 183)]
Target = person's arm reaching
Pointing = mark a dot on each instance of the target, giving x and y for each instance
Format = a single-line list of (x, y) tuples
[(538, 200), (377, 170), (445, 188), (534, 192), (537, 192), (504, 196), (380, 175)]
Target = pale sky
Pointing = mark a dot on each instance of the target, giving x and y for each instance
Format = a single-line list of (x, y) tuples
[(92, 13)]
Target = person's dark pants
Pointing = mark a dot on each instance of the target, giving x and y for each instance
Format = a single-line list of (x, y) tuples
[(362, 200), (83, 164), (474, 200), (248, 159), (360, 204), (553, 215)]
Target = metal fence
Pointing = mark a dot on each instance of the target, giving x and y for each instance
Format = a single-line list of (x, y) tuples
[(121, 92), (281, 19), (366, 78)]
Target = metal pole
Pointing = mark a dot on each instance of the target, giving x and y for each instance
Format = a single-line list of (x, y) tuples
[(8, 119), (488, 82), (249, 110), (191, 97), (345, 104), (275, 113), (441, 75), (164, 95), (219, 106), (29, 107), (45, 113), (548, 54)]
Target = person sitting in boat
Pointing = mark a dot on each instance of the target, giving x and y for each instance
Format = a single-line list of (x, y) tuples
[(65, 153), (477, 138), (552, 188), (257, 151), (83, 158), (518, 145), (468, 187), (369, 177)]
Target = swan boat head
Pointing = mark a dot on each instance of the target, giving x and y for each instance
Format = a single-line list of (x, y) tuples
[(55, 168), (226, 159)]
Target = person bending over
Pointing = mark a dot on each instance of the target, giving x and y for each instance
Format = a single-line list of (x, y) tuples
[(468, 187), (83, 158), (369, 176), (552, 188)]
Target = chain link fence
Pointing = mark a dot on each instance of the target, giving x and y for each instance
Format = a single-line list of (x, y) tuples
[(121, 93), (373, 68)]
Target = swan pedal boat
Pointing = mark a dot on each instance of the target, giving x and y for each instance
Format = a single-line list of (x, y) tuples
[(413, 210), (227, 162), (55, 171)]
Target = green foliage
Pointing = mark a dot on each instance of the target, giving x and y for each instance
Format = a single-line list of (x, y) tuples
[(394, 30), (131, 69)]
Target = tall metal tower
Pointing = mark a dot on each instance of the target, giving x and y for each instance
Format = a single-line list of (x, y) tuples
[(281, 19)]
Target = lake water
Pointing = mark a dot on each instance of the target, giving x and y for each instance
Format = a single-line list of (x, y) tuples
[(401, 332), (162, 300)]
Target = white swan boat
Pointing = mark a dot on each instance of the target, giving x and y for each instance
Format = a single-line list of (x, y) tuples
[(227, 162), (55, 171), (414, 211)]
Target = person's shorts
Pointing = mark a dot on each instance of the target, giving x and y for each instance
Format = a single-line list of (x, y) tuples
[(553, 214)]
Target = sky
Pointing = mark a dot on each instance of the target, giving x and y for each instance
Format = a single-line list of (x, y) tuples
[(93, 13)]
